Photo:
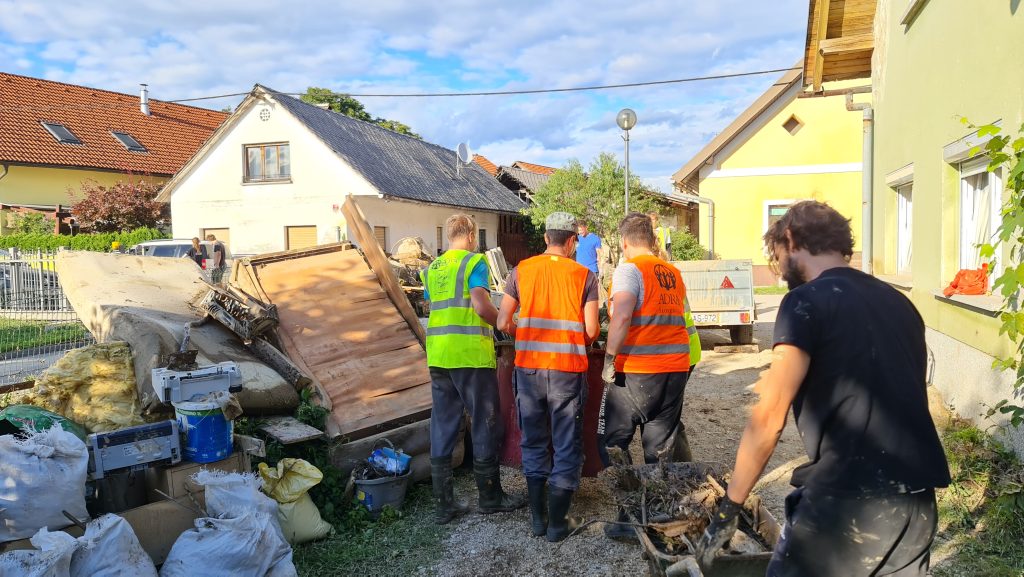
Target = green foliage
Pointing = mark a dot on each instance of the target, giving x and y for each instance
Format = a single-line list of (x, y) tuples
[(982, 510), (97, 242), (30, 223), (596, 196), (345, 104), (20, 335), (1006, 153), (685, 246)]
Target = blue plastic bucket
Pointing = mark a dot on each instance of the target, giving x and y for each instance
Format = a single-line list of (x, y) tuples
[(208, 435)]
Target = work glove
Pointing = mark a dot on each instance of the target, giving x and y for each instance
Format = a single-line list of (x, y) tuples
[(608, 373), (722, 527)]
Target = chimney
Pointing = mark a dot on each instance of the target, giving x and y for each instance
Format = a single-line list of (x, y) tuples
[(144, 100), (324, 105)]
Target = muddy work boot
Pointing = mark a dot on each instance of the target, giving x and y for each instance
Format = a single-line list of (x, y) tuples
[(493, 498), (559, 522), (538, 505), (620, 532), (446, 507)]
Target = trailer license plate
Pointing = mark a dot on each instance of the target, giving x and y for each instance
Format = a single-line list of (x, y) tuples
[(705, 319)]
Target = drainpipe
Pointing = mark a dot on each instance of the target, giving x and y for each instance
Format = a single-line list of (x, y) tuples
[(711, 224), (867, 193)]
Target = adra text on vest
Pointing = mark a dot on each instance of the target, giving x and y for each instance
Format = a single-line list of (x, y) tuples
[(670, 299)]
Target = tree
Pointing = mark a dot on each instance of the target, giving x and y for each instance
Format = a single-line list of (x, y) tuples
[(596, 196), (685, 246), (30, 223), (345, 104), (121, 207)]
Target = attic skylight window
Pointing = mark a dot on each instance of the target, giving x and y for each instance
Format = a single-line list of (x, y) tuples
[(130, 143), (61, 133)]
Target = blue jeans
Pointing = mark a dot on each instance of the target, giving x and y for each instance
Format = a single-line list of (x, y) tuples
[(550, 405)]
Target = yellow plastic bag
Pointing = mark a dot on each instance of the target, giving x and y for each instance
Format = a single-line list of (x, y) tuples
[(290, 480), (288, 484)]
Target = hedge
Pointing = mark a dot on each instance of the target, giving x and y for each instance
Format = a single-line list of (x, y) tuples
[(98, 242)]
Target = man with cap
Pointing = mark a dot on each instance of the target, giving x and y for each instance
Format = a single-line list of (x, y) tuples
[(557, 300), (460, 355)]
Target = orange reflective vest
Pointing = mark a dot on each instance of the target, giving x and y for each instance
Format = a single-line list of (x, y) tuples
[(658, 341), (551, 332)]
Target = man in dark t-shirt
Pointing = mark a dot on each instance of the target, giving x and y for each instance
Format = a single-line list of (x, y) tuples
[(850, 357)]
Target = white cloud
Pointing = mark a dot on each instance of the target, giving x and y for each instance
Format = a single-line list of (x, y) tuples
[(190, 48)]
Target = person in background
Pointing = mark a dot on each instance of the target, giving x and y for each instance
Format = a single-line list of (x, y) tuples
[(557, 300), (219, 260), (664, 237), (647, 359), (587, 246), (197, 252), (461, 359), (850, 358)]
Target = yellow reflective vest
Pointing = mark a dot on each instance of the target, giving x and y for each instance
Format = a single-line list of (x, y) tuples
[(692, 329), (456, 336)]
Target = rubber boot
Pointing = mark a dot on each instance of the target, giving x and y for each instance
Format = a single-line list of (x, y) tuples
[(446, 507), (681, 452), (559, 522), (620, 532), (493, 498), (536, 487)]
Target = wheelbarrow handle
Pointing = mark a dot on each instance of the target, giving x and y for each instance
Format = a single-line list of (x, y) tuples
[(687, 567)]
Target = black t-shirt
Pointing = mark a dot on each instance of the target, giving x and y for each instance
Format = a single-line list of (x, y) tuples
[(862, 409)]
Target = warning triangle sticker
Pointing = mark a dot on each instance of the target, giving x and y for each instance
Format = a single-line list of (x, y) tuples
[(726, 283)]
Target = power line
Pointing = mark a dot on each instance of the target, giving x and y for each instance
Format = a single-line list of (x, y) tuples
[(428, 94)]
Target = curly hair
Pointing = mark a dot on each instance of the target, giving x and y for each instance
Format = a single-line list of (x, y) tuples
[(814, 226)]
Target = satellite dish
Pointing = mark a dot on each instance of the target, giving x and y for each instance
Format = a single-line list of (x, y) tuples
[(464, 157)]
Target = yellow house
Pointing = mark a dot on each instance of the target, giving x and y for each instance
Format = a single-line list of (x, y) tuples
[(780, 150), (55, 136), (932, 202)]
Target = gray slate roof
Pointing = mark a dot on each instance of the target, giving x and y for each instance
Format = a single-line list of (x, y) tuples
[(526, 179), (402, 166)]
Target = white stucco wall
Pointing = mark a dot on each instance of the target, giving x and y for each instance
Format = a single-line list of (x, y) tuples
[(213, 194)]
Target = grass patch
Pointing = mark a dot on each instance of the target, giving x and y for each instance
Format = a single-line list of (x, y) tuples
[(770, 290), (398, 543), (19, 335), (982, 511)]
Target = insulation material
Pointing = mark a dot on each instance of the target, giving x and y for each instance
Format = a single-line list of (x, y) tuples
[(146, 301), (93, 386)]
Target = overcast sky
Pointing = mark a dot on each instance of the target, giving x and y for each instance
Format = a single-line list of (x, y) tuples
[(188, 48)]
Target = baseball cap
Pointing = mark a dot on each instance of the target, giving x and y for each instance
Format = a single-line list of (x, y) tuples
[(560, 221)]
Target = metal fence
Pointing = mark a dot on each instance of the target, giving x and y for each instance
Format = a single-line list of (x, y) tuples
[(37, 323)]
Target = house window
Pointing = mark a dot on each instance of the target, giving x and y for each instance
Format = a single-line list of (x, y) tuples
[(381, 234), (793, 124), (267, 162), (483, 239), (129, 141), (981, 199), (904, 227), (61, 133), (440, 240), (774, 212), (221, 234), (300, 237)]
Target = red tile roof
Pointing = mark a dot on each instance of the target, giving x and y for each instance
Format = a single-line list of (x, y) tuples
[(172, 134), (534, 168), (487, 165)]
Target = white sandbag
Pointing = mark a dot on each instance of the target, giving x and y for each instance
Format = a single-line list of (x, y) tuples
[(234, 494), (40, 476), (52, 558), (110, 548), (246, 545)]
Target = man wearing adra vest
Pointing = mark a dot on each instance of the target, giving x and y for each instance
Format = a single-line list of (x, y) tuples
[(557, 300), (460, 354), (647, 359)]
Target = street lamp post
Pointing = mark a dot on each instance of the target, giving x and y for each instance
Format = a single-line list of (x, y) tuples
[(626, 119)]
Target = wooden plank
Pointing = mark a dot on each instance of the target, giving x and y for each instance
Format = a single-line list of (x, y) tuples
[(846, 45), (4, 389), (288, 430), (380, 265), (820, 35)]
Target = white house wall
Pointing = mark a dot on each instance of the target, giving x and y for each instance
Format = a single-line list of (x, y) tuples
[(413, 219), (213, 194)]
